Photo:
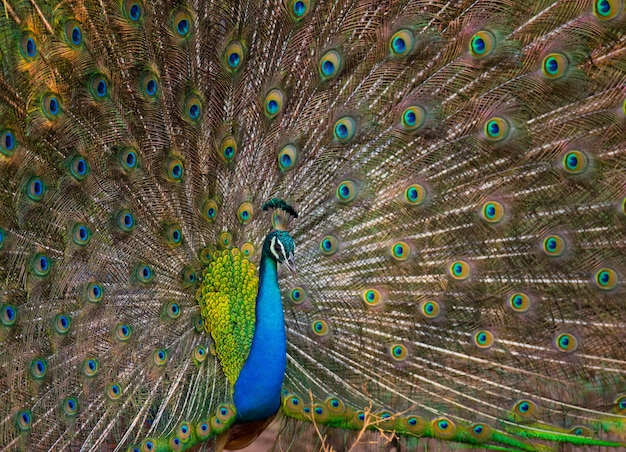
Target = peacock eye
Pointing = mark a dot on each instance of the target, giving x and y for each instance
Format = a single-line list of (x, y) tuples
[(279, 250)]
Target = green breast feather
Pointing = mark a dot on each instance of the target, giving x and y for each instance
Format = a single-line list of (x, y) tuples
[(227, 299)]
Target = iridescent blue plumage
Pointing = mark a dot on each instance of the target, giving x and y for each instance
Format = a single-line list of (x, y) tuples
[(257, 391)]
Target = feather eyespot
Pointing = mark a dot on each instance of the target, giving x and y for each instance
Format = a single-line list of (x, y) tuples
[(189, 276), (203, 430), (94, 292), (149, 84), (566, 342), (247, 249), (344, 129), (113, 391), (400, 251), (320, 413), (228, 149), (245, 213), (206, 255), (480, 432), (519, 302), (35, 189), (372, 297), (132, 10), (401, 43), (61, 324), (225, 413), (144, 273), (9, 315), (606, 279), (192, 108), (335, 405), (492, 212), (482, 44), (73, 33), (28, 46), (209, 210), (148, 445), (122, 332), (184, 431), (51, 106), (174, 169), (358, 419), (41, 265), (234, 56), (182, 24), (460, 270), (90, 367), (443, 428), (8, 142), (79, 168), (172, 310), (126, 220), (415, 194), (173, 234), (414, 424), (347, 191), (329, 245), (554, 66), (386, 420), (496, 129), (581, 430), (69, 406), (175, 444), (330, 64), (287, 157), (38, 368), (607, 9), (159, 357), (430, 309), (484, 339), (225, 240), (199, 354), (297, 295), (413, 118), (24, 420), (574, 162), (292, 403), (274, 103), (398, 352), (554, 245), (129, 159), (298, 9), (620, 404), (525, 409), (320, 328), (99, 87)]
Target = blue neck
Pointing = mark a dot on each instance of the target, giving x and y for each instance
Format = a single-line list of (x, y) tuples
[(257, 390)]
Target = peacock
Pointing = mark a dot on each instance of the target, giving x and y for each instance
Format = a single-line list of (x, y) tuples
[(400, 220)]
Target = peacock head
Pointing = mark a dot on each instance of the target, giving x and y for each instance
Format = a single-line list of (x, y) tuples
[(279, 244), (281, 247)]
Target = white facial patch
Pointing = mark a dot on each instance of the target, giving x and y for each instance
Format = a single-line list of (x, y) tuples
[(278, 250)]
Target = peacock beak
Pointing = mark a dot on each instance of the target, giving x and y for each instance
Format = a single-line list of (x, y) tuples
[(291, 263)]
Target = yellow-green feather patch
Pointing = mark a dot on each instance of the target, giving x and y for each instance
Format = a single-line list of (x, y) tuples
[(227, 301)]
